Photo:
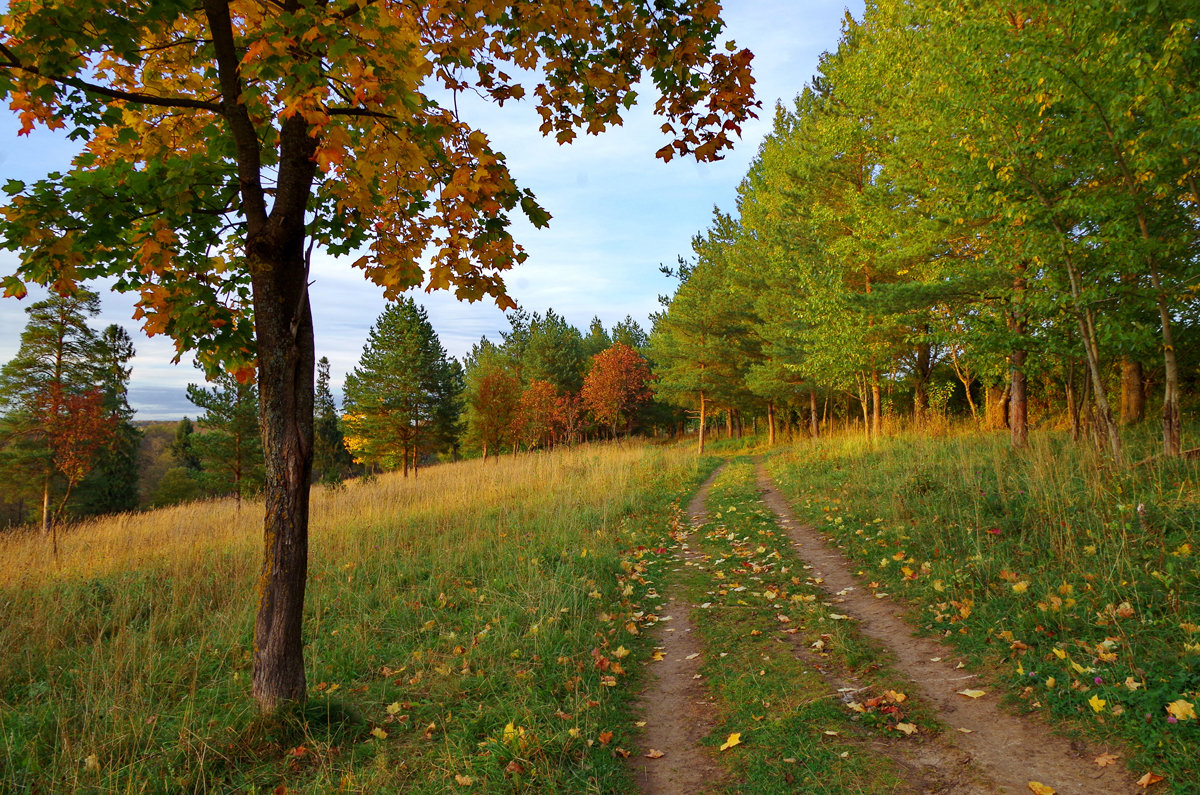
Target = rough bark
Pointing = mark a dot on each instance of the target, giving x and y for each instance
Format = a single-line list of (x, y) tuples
[(812, 415), (876, 408), (995, 410), (771, 424)]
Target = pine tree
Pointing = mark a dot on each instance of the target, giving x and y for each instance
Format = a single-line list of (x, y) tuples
[(53, 420), (402, 393), (112, 485), (229, 444), (331, 460)]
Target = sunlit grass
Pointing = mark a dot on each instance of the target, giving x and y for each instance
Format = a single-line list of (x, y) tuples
[(468, 598)]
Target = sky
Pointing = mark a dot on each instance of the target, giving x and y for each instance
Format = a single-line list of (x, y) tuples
[(618, 214)]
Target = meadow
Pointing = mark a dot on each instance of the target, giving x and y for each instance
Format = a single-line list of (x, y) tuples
[(453, 623)]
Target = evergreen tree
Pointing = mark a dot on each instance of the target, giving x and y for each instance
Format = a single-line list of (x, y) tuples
[(402, 394), (331, 460), (597, 339), (229, 444), (112, 485), (53, 420), (181, 447)]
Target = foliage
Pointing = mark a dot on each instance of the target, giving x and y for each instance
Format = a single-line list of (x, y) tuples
[(112, 484), (332, 462), (616, 385), (402, 398), (228, 444)]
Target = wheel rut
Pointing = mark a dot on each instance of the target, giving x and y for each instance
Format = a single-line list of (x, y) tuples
[(1007, 750), (675, 705)]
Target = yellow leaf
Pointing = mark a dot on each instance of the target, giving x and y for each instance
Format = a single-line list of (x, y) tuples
[(621, 652), (1060, 654), (1020, 587), (1097, 703), (463, 781), (91, 762), (654, 753), (972, 693), (734, 739), (379, 733), (1041, 789), (907, 728), (1182, 710), (393, 708), (1104, 760)]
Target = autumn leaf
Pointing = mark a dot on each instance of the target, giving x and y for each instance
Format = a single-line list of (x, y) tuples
[(1182, 710), (379, 733), (605, 738), (1096, 703), (1106, 759), (1041, 789), (393, 708), (734, 739), (463, 781), (907, 728), (1150, 778), (972, 693), (654, 753)]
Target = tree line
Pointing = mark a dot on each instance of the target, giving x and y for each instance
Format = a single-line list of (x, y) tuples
[(68, 446), (968, 208)]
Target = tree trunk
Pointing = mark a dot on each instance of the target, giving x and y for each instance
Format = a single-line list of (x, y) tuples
[(921, 382), (1133, 395), (286, 366), (703, 421), (1171, 418), (1073, 402), (770, 424), (1018, 405), (876, 408), (812, 415)]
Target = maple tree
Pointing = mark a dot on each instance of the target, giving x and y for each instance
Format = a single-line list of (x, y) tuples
[(222, 142), (616, 384)]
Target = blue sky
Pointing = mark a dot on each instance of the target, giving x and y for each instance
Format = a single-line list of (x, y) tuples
[(617, 214)]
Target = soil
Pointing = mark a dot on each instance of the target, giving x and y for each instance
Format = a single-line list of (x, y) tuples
[(675, 704), (1003, 752)]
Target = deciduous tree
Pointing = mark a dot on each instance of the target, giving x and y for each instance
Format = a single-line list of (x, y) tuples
[(223, 140), (617, 383)]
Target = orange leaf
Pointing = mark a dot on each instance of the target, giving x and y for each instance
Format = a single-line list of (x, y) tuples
[(1150, 778), (1104, 760), (654, 754)]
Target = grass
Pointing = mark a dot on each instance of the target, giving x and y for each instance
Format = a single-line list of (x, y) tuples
[(775, 654), (450, 632), (1077, 578)]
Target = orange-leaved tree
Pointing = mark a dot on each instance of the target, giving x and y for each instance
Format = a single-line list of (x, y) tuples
[(616, 386), (223, 139)]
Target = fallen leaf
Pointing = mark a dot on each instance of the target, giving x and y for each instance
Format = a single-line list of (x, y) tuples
[(605, 738), (656, 657), (832, 734), (966, 731), (1148, 779), (378, 732), (1097, 703), (1040, 788), (91, 762), (972, 693), (393, 708), (654, 754), (1182, 710), (907, 728), (734, 739), (1104, 760), (463, 781)]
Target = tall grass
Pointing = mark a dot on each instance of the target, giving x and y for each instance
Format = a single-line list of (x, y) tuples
[(466, 599), (1078, 575)]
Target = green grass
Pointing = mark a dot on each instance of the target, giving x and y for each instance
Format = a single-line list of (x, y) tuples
[(755, 605), (450, 633), (1077, 577)]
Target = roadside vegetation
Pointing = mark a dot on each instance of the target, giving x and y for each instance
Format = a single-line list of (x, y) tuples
[(1075, 579)]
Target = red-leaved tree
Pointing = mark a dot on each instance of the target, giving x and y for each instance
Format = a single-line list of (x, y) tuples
[(615, 386)]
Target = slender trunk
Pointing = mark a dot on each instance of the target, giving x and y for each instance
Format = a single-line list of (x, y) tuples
[(964, 375), (876, 408), (812, 415), (770, 424), (1087, 332), (995, 406), (1018, 406), (703, 421), (1133, 395), (46, 506), (1073, 402), (1171, 418)]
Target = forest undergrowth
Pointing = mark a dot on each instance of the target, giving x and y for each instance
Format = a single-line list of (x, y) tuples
[(1074, 578)]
